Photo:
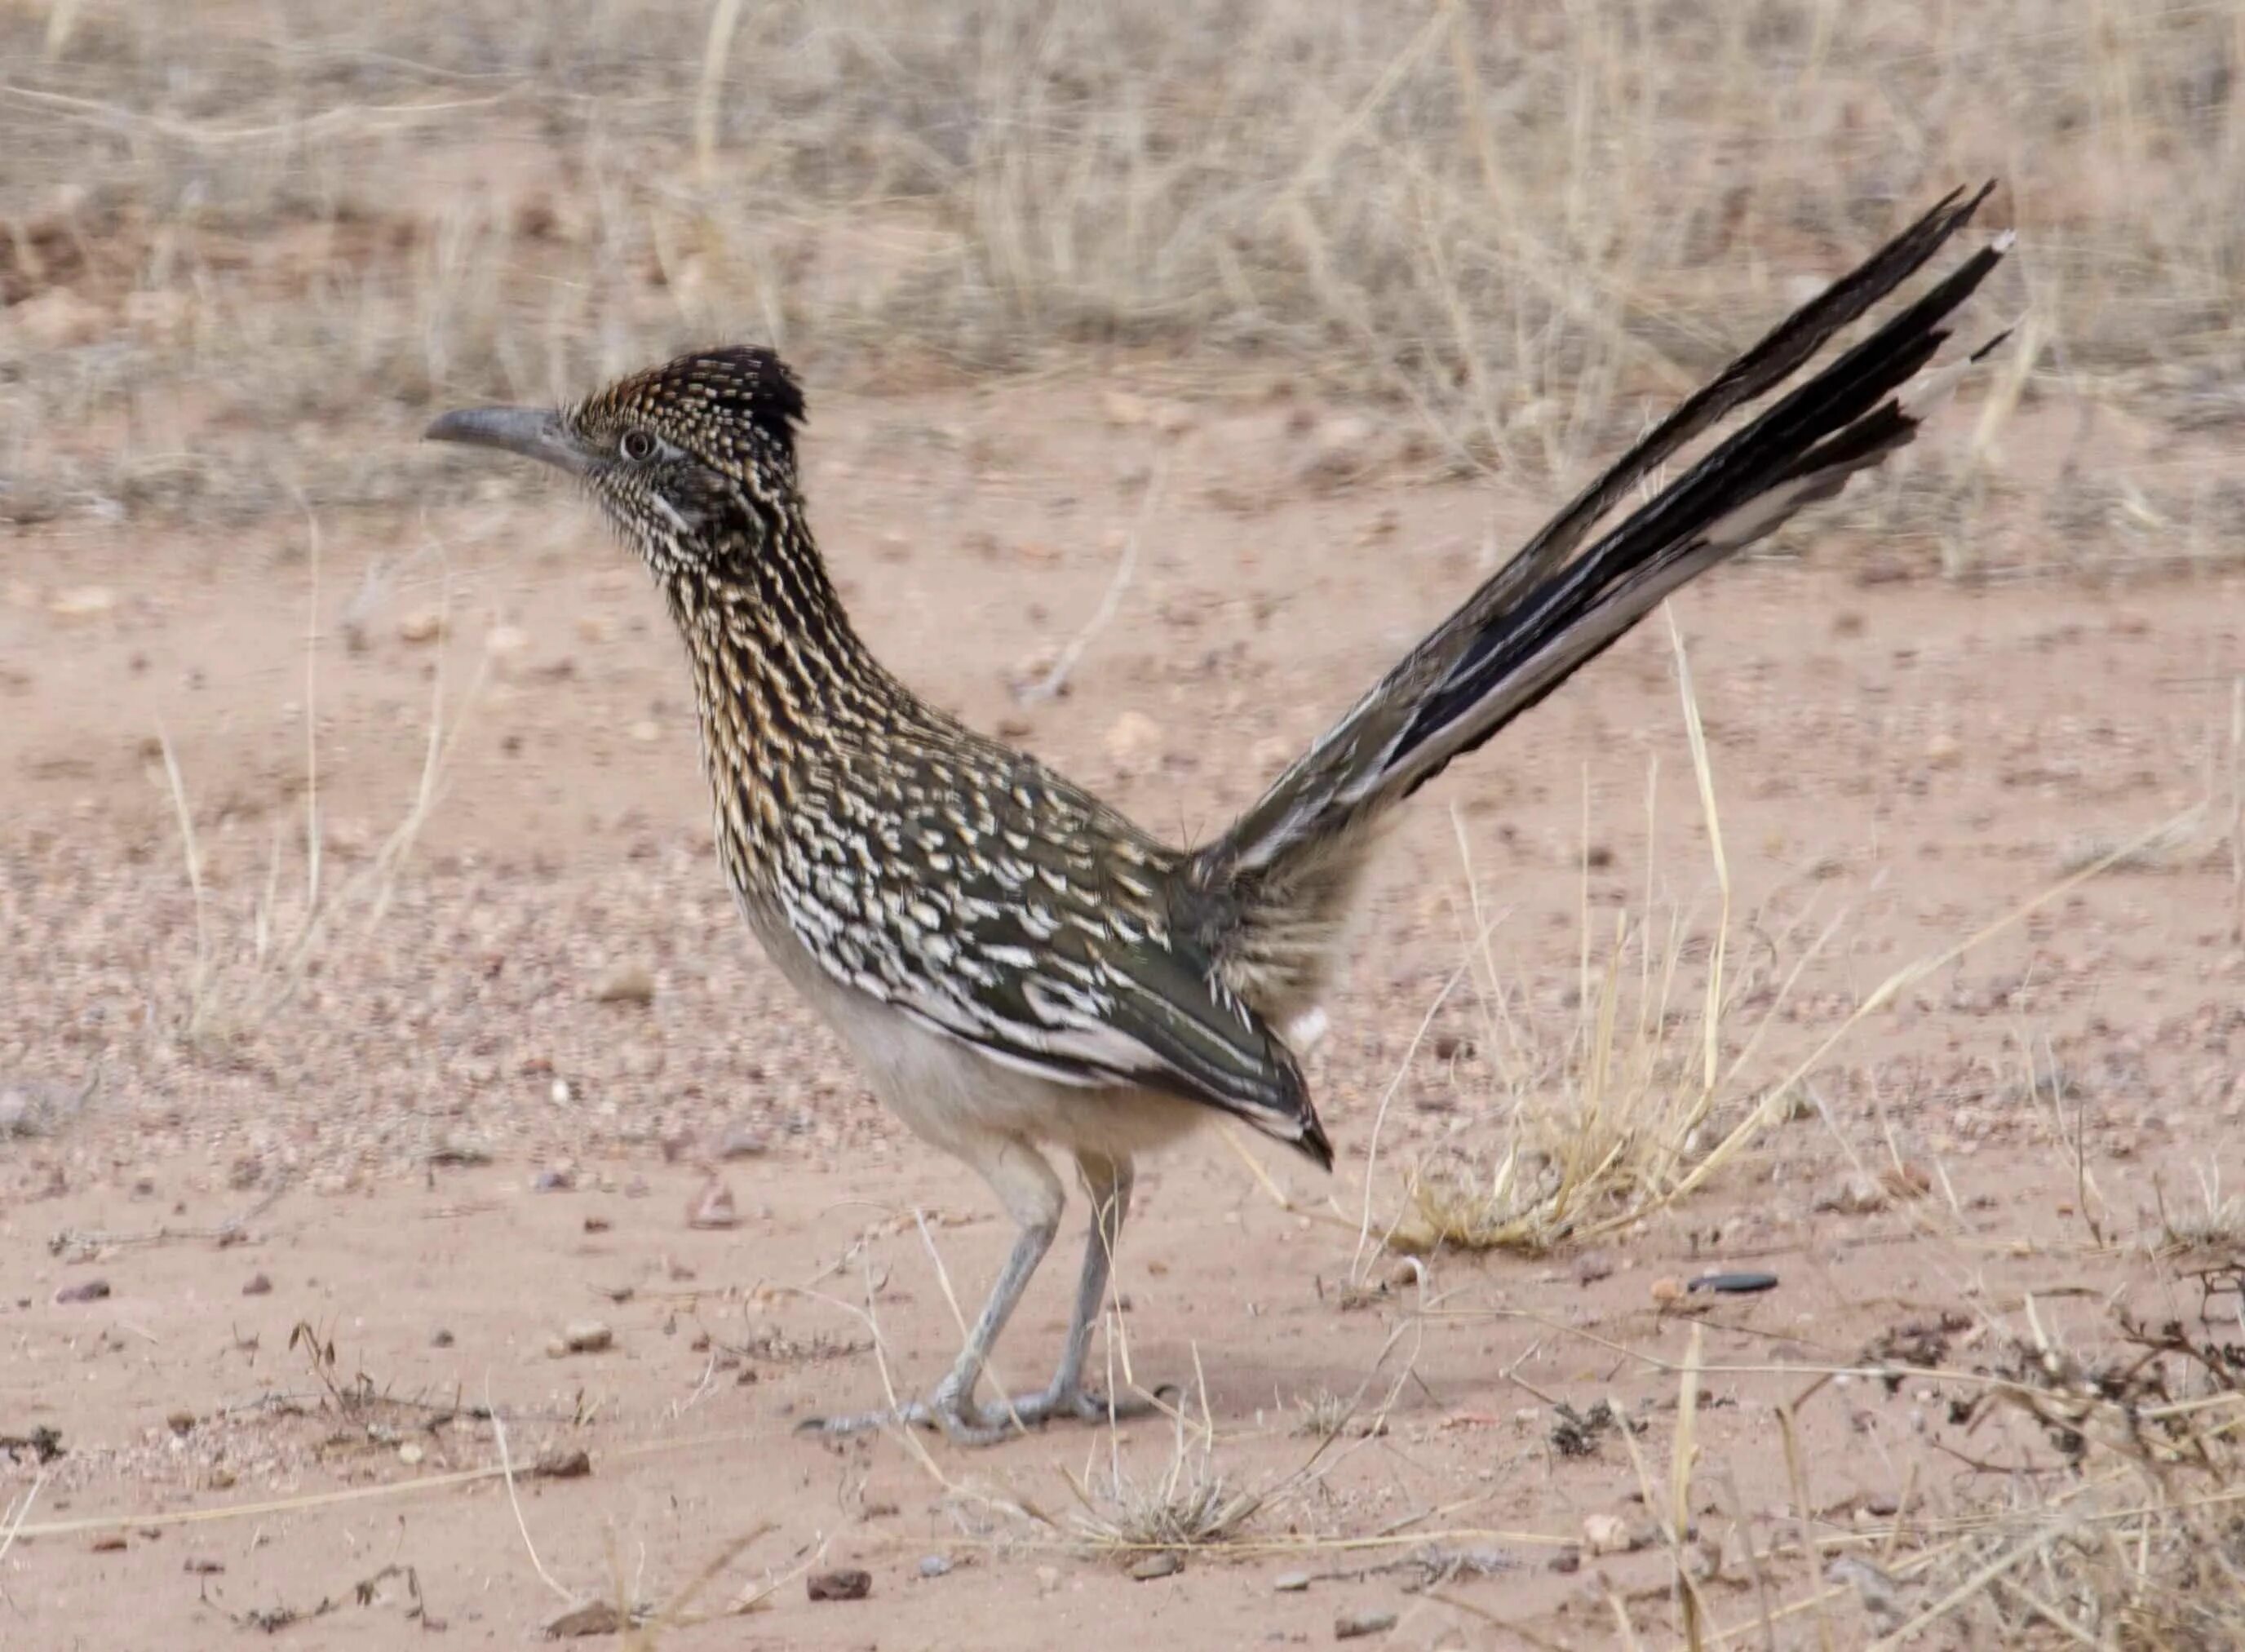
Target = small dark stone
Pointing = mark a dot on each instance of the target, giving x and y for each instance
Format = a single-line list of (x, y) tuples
[(595, 1617), (1566, 1561), (1351, 1626), (257, 1285), (743, 1143), (88, 1290), (1166, 1564), (441, 1339), (1735, 1284), (847, 1583)]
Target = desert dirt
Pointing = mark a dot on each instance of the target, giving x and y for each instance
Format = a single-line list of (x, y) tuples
[(425, 1218)]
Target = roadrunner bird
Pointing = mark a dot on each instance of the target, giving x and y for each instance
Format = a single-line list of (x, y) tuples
[(1016, 966)]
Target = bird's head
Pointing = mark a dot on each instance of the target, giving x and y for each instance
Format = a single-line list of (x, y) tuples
[(694, 460)]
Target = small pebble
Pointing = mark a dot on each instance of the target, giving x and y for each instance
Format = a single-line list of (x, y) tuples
[(411, 1454), (743, 1143), (88, 1290), (847, 1583), (629, 983), (713, 1206), (1133, 743), (421, 625), (180, 1422), (257, 1285), (1605, 1533), (82, 603), (1291, 1583), (584, 1336), (563, 1463), (1351, 1626), (441, 1339), (1735, 1284), (1857, 1196), (934, 1565), (595, 1617), (1165, 1564)]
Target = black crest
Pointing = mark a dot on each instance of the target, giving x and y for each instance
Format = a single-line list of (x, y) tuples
[(739, 402)]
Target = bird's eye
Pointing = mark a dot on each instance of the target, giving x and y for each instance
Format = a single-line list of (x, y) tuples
[(636, 445)]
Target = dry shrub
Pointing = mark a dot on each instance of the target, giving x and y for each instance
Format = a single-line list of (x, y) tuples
[(2130, 1534)]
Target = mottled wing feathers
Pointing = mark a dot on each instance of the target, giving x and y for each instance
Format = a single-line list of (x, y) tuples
[(978, 893)]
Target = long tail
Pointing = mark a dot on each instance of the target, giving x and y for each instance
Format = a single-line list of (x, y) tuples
[(1289, 861)]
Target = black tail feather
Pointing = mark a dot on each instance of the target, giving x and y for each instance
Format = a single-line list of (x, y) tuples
[(1779, 354), (1287, 870), (1833, 422), (1549, 610)]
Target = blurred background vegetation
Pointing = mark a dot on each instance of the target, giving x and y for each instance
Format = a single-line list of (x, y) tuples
[(245, 247)]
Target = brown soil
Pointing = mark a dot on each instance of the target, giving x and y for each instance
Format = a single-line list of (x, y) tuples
[(342, 1197)]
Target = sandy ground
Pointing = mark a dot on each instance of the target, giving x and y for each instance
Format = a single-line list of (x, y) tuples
[(335, 1189)]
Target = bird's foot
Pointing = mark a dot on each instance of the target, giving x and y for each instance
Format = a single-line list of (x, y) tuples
[(1061, 1400), (965, 1422)]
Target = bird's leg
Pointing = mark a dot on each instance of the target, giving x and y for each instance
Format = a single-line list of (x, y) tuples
[(1031, 1193), (1108, 1181), (952, 1406)]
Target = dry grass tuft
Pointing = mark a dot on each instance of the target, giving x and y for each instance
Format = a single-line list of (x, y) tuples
[(1612, 1118), (1643, 1098), (2215, 1223), (1323, 1415), (1187, 1506), (1190, 1503)]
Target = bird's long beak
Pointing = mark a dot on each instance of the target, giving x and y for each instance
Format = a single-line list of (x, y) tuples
[(534, 432)]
